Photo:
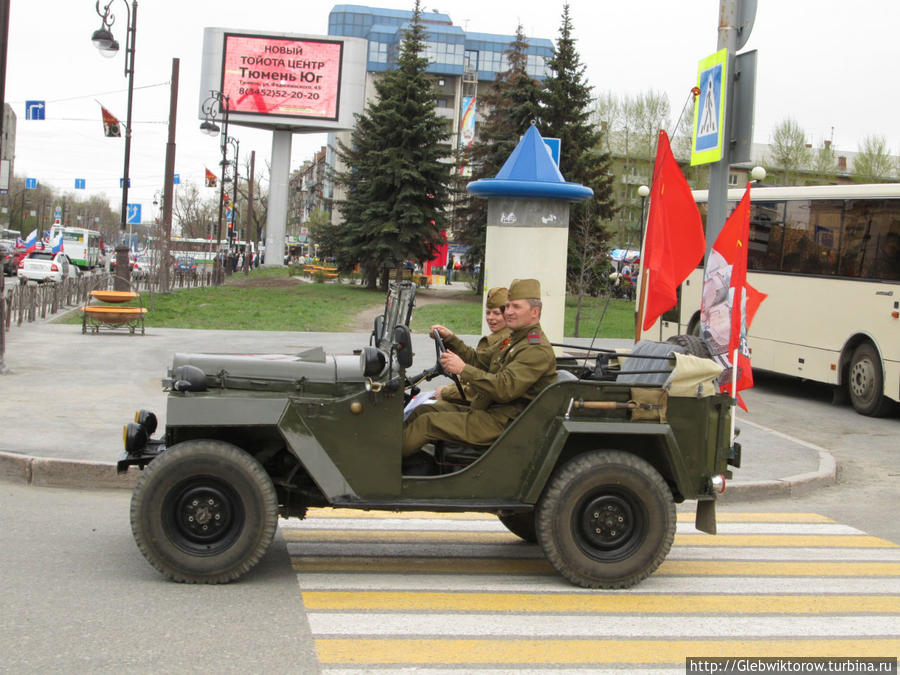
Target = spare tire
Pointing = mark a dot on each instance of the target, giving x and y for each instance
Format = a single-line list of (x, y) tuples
[(694, 345)]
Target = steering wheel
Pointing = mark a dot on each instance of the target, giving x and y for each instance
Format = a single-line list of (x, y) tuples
[(439, 349)]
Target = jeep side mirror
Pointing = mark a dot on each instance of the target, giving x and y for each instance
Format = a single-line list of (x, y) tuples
[(378, 330), (403, 344)]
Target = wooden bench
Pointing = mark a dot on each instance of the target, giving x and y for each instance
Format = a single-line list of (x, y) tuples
[(111, 316)]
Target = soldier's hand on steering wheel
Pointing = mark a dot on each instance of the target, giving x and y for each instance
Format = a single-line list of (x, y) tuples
[(451, 363)]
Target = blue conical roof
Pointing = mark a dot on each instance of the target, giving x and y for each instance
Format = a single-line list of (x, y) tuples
[(530, 172)]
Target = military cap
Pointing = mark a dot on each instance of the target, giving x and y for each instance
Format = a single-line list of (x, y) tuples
[(523, 289), (496, 297)]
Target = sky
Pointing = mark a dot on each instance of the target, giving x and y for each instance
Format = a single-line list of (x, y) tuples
[(825, 63)]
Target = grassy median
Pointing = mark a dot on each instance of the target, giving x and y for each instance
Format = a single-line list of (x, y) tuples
[(269, 300)]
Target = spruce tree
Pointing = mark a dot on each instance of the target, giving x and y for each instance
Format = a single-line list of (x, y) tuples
[(397, 185), (512, 104), (567, 100)]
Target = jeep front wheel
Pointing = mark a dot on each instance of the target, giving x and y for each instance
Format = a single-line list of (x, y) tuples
[(606, 520), (204, 512)]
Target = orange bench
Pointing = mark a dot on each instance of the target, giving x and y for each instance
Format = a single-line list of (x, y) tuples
[(97, 316)]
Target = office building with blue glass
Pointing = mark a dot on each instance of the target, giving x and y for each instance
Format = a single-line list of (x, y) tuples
[(462, 62)]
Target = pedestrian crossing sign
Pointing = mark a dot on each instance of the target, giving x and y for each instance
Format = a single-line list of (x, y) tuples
[(708, 135)]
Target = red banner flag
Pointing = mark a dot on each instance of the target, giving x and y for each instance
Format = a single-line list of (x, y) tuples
[(675, 243), (111, 126), (210, 178), (728, 303)]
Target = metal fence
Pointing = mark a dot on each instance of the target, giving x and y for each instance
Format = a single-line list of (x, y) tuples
[(27, 303)]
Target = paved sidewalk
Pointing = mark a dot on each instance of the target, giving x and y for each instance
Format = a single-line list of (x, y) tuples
[(67, 396)]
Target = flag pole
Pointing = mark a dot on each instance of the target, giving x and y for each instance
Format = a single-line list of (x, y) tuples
[(640, 313), (734, 362)]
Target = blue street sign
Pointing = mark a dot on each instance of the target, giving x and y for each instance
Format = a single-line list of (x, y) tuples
[(79, 183), (176, 179), (134, 214), (553, 145), (57, 212), (34, 110), (31, 183), (122, 181)]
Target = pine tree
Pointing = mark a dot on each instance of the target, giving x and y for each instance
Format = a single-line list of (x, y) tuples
[(567, 108), (512, 104), (397, 186)]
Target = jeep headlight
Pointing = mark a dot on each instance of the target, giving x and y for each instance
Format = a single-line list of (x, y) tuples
[(147, 420), (134, 436)]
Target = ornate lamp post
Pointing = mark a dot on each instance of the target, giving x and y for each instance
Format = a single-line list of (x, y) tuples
[(104, 41), (232, 230), (217, 102)]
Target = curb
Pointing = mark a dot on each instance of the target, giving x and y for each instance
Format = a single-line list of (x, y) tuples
[(63, 473), (793, 486)]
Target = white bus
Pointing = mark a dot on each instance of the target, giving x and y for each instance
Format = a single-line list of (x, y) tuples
[(81, 245), (829, 259)]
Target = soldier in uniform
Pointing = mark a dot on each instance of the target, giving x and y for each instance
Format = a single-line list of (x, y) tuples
[(488, 346), (524, 366)]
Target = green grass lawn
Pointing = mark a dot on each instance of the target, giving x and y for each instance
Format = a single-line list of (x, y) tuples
[(299, 307), (267, 301), (465, 318)]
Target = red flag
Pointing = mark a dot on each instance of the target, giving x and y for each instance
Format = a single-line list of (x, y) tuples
[(210, 178), (675, 243), (729, 304), (111, 125)]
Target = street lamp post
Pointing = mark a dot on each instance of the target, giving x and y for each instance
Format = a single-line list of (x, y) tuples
[(104, 41), (217, 101), (643, 191), (236, 145)]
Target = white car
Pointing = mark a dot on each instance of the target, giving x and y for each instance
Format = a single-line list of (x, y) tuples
[(44, 266)]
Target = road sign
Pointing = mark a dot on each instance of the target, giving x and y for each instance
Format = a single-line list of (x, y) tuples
[(79, 183), (57, 213), (176, 179), (708, 135), (553, 144), (122, 182), (31, 183), (34, 110), (134, 214)]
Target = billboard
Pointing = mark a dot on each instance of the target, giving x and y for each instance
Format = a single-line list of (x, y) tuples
[(263, 75), (284, 80)]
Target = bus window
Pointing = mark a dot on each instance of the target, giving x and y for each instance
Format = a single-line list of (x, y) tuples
[(766, 235), (871, 241), (811, 236)]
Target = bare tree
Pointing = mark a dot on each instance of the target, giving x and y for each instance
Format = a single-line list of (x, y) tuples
[(195, 214), (874, 163), (788, 150)]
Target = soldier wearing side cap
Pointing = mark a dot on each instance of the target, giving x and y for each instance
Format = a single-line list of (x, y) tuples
[(523, 367)]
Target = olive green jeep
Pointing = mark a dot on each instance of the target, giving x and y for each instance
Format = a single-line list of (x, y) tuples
[(590, 470)]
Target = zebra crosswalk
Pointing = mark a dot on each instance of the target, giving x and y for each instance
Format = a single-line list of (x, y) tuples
[(426, 591)]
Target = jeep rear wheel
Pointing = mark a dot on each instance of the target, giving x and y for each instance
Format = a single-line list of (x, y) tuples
[(520, 524), (204, 512), (606, 520)]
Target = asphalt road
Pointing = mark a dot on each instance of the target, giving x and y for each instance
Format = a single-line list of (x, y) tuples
[(866, 449), (77, 596)]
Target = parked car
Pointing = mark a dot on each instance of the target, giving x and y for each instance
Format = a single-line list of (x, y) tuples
[(43, 266), (8, 259), (140, 267), (185, 263), (74, 270)]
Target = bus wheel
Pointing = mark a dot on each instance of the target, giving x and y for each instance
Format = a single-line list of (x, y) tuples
[(866, 382)]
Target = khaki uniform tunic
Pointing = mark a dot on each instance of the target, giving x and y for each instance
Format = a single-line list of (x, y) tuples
[(519, 370), (482, 356)]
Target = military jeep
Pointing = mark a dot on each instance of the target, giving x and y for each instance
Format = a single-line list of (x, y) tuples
[(590, 470)]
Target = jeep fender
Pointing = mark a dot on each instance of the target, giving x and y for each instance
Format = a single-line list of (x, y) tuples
[(668, 462)]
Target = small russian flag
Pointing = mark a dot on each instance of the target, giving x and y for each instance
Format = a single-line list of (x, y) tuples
[(31, 241), (57, 244)]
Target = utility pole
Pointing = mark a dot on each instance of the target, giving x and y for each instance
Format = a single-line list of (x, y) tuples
[(4, 34), (249, 219), (169, 182)]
